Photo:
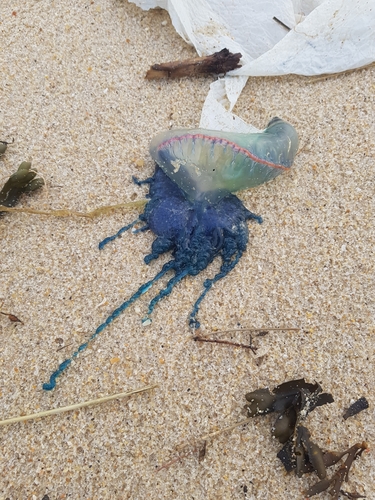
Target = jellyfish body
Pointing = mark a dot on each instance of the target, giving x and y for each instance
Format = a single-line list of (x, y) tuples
[(199, 221), (195, 232), (208, 164)]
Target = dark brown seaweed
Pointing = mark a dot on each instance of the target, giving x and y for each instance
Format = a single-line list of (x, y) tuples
[(314, 453), (341, 475), (288, 456), (261, 402), (285, 424), (360, 405), (202, 451), (293, 401), (351, 496)]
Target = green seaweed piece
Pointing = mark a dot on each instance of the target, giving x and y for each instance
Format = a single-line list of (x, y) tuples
[(22, 181), (4, 145)]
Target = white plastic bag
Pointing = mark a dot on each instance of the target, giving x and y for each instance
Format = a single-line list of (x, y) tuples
[(326, 36)]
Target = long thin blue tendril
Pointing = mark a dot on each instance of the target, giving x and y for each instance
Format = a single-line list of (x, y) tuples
[(141, 290), (224, 270), (117, 235), (167, 290)]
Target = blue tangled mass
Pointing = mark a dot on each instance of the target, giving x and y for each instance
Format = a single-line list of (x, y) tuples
[(195, 232)]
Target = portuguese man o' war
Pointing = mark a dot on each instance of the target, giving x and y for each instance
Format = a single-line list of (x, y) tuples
[(209, 164), (192, 210)]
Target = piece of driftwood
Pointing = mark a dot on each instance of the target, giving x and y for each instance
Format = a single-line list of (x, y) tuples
[(217, 63)]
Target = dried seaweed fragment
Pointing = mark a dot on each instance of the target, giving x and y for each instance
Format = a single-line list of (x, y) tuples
[(217, 63), (22, 181), (293, 401), (352, 495), (11, 317), (202, 451), (340, 475), (360, 405), (314, 453)]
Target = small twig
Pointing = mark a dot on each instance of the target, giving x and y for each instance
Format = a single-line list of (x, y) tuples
[(76, 406), (262, 333), (63, 347), (226, 342), (229, 428), (201, 449), (281, 23), (286, 329), (178, 459)]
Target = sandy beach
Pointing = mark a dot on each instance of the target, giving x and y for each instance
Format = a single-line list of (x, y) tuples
[(75, 100)]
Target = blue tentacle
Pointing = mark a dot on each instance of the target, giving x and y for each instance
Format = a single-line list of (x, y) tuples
[(251, 216), (136, 181), (118, 234), (159, 246), (166, 291), (141, 290), (226, 267), (141, 229)]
